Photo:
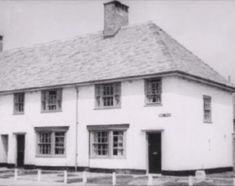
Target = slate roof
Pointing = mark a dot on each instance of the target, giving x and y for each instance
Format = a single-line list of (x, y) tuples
[(136, 50)]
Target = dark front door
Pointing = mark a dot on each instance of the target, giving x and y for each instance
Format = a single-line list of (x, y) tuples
[(154, 151), (20, 150)]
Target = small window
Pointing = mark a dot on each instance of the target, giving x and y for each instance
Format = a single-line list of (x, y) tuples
[(207, 109), (153, 91), (50, 142), (18, 103), (107, 143), (51, 100), (108, 95)]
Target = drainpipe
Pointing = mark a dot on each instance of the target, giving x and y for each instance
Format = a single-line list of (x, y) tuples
[(76, 130)]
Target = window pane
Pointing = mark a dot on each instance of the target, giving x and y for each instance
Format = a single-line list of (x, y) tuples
[(107, 89), (108, 101), (100, 143), (207, 108), (19, 102), (118, 143), (107, 94), (44, 143), (153, 90), (51, 99), (59, 142)]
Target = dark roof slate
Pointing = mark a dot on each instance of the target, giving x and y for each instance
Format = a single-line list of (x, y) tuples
[(136, 50)]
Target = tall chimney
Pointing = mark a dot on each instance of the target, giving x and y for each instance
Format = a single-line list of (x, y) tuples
[(115, 16), (1, 43)]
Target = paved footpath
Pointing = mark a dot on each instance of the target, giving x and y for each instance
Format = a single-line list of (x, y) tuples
[(12, 182)]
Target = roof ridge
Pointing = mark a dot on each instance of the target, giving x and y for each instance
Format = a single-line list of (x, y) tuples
[(47, 43), (57, 41)]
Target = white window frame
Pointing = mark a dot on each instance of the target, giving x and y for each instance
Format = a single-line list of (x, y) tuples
[(207, 108), (115, 96), (17, 103), (93, 143), (156, 93), (110, 131), (45, 100), (52, 132)]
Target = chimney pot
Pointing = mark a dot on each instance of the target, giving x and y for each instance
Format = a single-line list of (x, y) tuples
[(115, 16), (229, 79)]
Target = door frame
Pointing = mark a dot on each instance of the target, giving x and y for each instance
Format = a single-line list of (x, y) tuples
[(5, 138), (16, 146), (147, 132)]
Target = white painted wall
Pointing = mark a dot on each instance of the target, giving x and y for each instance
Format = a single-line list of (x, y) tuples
[(202, 145), (33, 117), (185, 136)]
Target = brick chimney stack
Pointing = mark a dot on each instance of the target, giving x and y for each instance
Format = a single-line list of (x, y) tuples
[(115, 16)]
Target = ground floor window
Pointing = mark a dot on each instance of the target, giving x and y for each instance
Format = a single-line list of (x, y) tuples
[(107, 142), (51, 141)]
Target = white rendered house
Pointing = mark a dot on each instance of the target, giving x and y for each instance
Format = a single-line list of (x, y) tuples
[(127, 98)]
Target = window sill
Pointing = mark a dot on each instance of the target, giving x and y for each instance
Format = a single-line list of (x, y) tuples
[(50, 111), (18, 113), (105, 108), (208, 122), (50, 156), (153, 104), (107, 157)]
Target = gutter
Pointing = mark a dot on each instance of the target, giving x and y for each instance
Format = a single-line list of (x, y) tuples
[(76, 129), (222, 86)]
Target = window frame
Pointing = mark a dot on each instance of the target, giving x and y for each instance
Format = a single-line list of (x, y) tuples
[(45, 95), (92, 142), (100, 95), (52, 131), (110, 129), (206, 98), (16, 101), (146, 86)]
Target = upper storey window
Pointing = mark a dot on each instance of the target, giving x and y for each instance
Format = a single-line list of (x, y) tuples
[(207, 109), (153, 91), (108, 95), (19, 103), (51, 100)]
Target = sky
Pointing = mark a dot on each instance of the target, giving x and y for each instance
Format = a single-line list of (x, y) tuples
[(205, 27)]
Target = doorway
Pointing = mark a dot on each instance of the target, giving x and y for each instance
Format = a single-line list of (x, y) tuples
[(154, 152), (20, 150)]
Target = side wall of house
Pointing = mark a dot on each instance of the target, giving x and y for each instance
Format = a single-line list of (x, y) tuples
[(202, 145)]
